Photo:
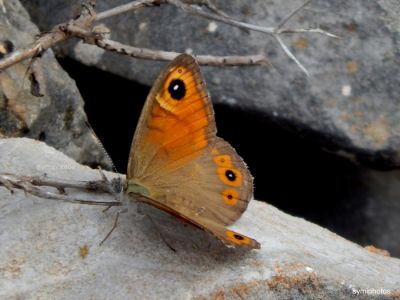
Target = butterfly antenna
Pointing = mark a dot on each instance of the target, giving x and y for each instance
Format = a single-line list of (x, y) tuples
[(100, 144), (117, 187)]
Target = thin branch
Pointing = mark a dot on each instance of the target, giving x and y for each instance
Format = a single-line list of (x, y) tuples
[(208, 60), (198, 11), (193, 7), (129, 7), (273, 31), (82, 27), (291, 55), (138, 4), (30, 186), (310, 30), (207, 3), (267, 30), (49, 39), (62, 32), (294, 12)]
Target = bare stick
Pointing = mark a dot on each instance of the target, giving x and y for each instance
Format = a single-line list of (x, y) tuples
[(29, 186), (267, 30), (50, 39), (82, 27), (94, 185), (129, 7), (159, 55), (291, 55), (193, 7), (274, 31), (67, 30), (138, 4), (289, 16), (210, 6)]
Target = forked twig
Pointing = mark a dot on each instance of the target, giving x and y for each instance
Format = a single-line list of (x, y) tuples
[(83, 28), (193, 7), (49, 39), (273, 31)]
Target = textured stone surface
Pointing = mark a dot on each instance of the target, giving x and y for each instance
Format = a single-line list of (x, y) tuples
[(350, 102), (50, 249), (58, 117)]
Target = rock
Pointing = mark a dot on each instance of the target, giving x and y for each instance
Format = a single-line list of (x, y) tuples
[(49, 249), (58, 118), (349, 104)]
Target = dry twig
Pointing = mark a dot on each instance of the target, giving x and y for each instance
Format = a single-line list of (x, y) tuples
[(30, 184), (49, 39), (193, 7), (83, 28)]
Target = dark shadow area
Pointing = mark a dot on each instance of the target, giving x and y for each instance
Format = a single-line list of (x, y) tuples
[(112, 104), (291, 172)]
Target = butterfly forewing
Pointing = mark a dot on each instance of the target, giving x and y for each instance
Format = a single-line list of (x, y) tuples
[(178, 162)]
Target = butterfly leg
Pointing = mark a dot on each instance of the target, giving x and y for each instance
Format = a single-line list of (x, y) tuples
[(160, 233), (115, 186), (115, 224)]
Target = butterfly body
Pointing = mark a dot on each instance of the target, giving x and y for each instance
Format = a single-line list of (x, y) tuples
[(179, 165)]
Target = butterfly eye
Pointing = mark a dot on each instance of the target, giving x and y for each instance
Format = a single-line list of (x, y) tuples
[(177, 89)]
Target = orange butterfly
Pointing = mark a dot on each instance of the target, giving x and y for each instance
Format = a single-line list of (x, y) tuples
[(179, 165)]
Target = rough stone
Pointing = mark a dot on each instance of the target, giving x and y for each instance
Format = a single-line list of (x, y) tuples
[(349, 104), (49, 249), (58, 118)]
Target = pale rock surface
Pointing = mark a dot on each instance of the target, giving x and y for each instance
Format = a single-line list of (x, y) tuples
[(43, 244)]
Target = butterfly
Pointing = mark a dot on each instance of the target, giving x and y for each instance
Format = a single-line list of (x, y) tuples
[(179, 165)]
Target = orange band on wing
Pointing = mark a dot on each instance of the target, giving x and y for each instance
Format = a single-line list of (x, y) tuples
[(179, 117)]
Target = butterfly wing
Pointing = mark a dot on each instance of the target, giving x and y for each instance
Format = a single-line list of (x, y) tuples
[(227, 236), (177, 160), (175, 123)]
